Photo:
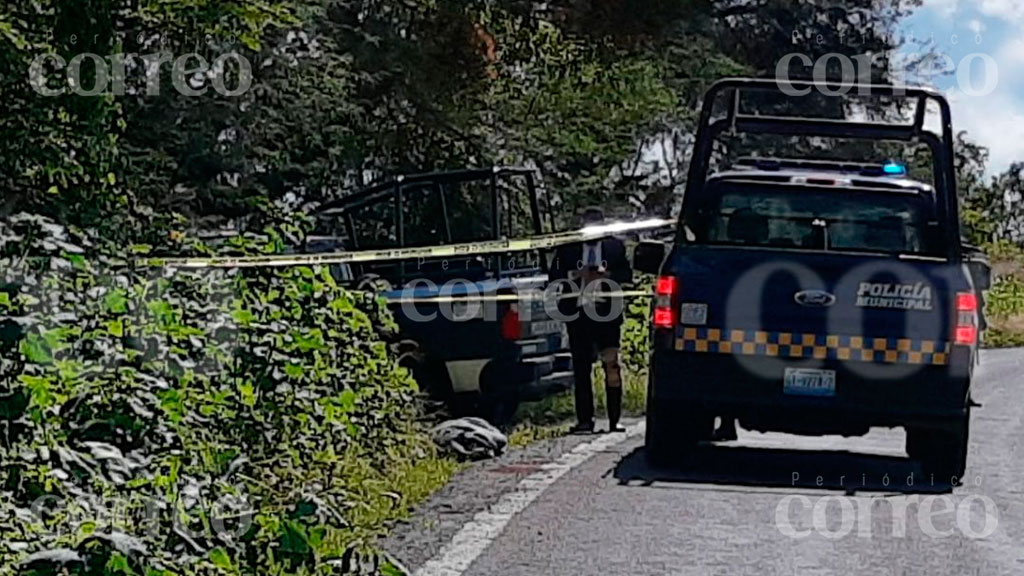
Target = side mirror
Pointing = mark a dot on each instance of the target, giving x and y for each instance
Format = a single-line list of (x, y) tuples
[(979, 267), (649, 256)]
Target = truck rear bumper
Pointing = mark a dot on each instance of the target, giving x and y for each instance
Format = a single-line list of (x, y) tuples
[(530, 378), (536, 377), (751, 389)]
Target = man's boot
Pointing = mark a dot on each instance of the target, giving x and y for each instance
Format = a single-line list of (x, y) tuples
[(614, 396)]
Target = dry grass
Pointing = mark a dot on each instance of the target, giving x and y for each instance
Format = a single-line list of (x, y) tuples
[(1006, 268), (1014, 324)]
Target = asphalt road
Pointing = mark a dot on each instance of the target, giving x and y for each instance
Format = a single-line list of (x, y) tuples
[(758, 506)]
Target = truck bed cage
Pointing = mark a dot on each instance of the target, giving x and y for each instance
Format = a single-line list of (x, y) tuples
[(738, 122), (393, 190), (382, 189)]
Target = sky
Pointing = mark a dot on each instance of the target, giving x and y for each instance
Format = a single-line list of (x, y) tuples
[(984, 40)]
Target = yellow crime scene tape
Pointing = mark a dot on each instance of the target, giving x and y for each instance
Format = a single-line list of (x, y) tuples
[(509, 297), (391, 254)]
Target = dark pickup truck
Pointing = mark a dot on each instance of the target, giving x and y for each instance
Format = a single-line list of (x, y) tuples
[(474, 326), (816, 296)]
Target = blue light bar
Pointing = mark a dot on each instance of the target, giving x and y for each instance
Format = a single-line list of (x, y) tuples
[(894, 169)]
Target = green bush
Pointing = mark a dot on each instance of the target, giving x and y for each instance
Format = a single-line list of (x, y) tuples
[(240, 422), (1004, 307), (636, 347), (1006, 298), (1004, 302), (1002, 338), (1004, 250)]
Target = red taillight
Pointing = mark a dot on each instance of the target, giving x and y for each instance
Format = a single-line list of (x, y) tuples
[(966, 333), (511, 327), (663, 318), (664, 298), (666, 286), (966, 302)]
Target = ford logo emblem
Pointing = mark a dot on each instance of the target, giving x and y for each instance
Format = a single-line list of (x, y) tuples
[(814, 298)]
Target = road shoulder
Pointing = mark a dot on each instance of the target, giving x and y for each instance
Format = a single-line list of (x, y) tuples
[(477, 488)]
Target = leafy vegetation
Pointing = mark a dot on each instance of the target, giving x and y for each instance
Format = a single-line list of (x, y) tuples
[(191, 423), (600, 96), (1004, 303), (275, 391)]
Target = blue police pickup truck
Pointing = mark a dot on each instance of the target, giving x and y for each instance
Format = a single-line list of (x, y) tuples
[(816, 296), (473, 326)]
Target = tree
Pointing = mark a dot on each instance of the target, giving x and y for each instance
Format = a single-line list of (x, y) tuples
[(601, 95), (66, 148), (1005, 205)]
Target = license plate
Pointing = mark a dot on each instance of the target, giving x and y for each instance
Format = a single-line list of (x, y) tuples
[(693, 314), (809, 382), (546, 327)]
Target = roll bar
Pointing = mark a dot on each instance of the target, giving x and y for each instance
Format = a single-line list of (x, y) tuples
[(941, 145)]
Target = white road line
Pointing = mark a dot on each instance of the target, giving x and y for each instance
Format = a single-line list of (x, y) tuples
[(476, 535)]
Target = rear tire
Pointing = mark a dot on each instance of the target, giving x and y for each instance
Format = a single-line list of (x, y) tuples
[(673, 431), (942, 451)]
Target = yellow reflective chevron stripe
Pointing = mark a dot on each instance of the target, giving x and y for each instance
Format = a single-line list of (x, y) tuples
[(383, 255), (806, 346)]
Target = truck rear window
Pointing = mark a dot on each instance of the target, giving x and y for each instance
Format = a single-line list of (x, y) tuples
[(825, 219)]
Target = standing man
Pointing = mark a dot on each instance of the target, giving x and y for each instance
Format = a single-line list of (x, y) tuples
[(594, 318)]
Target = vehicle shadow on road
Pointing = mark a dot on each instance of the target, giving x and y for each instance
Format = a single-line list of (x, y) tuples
[(780, 468)]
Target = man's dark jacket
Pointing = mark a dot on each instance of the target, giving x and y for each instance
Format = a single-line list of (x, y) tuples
[(568, 259)]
